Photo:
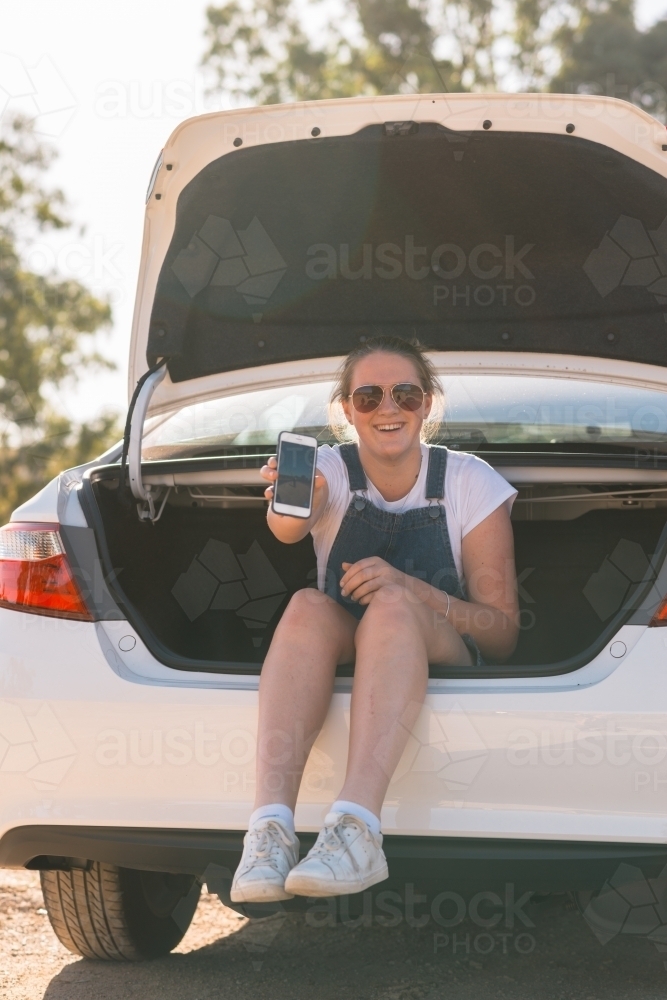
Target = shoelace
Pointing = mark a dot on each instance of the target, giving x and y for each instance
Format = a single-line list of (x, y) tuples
[(331, 838), (269, 837)]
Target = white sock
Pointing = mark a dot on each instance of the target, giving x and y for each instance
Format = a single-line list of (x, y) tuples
[(276, 810), (370, 819)]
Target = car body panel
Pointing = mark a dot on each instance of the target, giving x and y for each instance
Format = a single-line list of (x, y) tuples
[(82, 744)]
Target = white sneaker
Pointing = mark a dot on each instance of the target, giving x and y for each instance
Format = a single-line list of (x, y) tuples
[(270, 850), (346, 857)]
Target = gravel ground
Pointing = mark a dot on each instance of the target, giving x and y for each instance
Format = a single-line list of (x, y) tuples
[(288, 958)]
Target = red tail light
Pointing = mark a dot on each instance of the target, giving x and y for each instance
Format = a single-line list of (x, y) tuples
[(35, 575), (660, 616)]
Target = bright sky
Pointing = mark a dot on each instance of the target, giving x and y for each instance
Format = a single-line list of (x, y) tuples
[(59, 59), (76, 52)]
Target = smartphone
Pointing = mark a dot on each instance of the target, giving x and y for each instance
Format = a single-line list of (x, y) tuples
[(297, 462)]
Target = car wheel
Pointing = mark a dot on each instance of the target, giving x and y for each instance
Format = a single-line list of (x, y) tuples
[(118, 913)]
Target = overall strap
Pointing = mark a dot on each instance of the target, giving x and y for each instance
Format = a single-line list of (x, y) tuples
[(435, 476), (355, 470)]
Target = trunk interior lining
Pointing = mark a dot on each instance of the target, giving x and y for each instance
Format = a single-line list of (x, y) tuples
[(211, 584)]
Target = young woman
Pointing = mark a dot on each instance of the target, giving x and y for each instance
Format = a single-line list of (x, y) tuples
[(415, 566)]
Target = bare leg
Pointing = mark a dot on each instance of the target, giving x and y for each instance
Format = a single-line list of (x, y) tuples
[(395, 641), (313, 636)]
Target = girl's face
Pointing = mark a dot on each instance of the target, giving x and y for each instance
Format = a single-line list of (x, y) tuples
[(387, 431)]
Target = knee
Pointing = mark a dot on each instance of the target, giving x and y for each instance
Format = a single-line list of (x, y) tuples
[(392, 608), (306, 606)]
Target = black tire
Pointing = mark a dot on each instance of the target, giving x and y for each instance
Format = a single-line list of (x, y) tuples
[(118, 913)]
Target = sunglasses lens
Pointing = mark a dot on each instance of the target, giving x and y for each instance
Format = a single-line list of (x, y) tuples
[(367, 398), (407, 396)]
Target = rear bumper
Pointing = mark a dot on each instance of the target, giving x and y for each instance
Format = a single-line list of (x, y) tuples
[(89, 743), (470, 864)]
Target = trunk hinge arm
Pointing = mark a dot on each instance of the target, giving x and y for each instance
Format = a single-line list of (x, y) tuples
[(134, 429)]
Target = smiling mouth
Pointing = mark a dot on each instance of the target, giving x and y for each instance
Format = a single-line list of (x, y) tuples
[(388, 427)]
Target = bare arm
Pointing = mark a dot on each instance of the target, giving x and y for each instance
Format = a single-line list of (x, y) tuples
[(292, 529), (491, 614)]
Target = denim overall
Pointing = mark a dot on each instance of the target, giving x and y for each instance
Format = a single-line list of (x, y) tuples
[(416, 543)]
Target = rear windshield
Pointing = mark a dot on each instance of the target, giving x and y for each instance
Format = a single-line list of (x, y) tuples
[(479, 409)]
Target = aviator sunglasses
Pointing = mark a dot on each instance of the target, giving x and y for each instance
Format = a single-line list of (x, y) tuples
[(366, 398)]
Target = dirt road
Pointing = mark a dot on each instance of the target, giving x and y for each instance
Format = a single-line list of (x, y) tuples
[(290, 958)]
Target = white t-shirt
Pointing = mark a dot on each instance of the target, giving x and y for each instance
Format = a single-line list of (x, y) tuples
[(473, 490)]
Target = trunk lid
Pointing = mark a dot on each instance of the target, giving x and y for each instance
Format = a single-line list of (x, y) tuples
[(276, 234)]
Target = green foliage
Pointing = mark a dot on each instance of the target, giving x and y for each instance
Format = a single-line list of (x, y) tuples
[(55, 444), (605, 53), (261, 52), (533, 33), (43, 322)]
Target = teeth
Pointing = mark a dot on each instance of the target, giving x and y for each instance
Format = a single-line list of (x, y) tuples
[(388, 427)]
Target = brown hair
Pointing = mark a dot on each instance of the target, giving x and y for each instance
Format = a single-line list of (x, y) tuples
[(415, 353)]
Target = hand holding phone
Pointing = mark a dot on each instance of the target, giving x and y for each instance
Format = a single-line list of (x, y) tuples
[(296, 466)]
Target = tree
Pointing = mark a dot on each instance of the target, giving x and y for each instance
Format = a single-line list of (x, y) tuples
[(605, 53), (43, 322), (260, 50)]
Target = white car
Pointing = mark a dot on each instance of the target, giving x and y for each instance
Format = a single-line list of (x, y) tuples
[(524, 240)]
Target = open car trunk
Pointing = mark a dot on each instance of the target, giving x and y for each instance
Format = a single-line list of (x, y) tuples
[(205, 585), (484, 227)]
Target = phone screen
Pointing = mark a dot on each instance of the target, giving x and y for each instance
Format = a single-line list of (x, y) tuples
[(295, 474)]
